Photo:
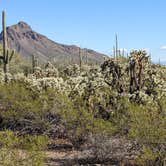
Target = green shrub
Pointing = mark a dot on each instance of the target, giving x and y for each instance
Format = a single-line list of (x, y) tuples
[(147, 127), (20, 107), (30, 111), (22, 150), (80, 124)]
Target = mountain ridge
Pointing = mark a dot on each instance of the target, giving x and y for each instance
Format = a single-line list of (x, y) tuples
[(26, 42)]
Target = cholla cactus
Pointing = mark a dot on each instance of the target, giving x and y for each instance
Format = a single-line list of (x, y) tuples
[(51, 71), (101, 85), (138, 60), (72, 71), (38, 72), (112, 74), (51, 82)]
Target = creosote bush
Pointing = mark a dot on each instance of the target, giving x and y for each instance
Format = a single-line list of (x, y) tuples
[(80, 124), (30, 111), (22, 150), (147, 127)]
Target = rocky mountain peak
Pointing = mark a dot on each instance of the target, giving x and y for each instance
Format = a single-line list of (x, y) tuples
[(21, 27), (26, 41), (24, 25)]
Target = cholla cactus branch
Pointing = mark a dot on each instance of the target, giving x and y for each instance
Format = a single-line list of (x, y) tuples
[(137, 62)]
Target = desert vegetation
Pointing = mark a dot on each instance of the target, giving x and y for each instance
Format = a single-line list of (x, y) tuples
[(114, 111)]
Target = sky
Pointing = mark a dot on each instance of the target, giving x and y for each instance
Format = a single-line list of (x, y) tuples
[(139, 24)]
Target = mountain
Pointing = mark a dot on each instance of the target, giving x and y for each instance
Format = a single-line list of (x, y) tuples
[(26, 42)]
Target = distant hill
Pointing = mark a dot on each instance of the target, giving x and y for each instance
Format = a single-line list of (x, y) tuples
[(27, 42)]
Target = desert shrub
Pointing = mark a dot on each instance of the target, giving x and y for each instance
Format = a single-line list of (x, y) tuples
[(101, 146), (120, 118), (20, 107), (144, 124), (48, 112), (22, 150), (80, 124), (30, 111), (147, 127), (19, 64)]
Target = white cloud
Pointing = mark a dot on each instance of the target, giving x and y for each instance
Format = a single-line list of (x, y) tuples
[(163, 47)]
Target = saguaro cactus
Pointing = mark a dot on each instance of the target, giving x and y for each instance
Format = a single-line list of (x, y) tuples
[(7, 56), (86, 56), (116, 47), (34, 62), (80, 59), (114, 52), (123, 52), (119, 53)]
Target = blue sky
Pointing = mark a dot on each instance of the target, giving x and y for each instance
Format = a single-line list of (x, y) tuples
[(140, 24)]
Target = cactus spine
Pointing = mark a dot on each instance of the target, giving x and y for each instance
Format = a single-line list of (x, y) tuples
[(7, 56)]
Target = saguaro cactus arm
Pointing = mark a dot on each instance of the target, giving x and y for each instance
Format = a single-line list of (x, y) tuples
[(12, 54)]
